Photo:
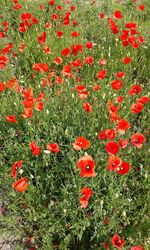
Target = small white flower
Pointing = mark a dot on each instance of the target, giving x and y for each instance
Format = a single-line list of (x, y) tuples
[(47, 152), (117, 195), (101, 202), (124, 213), (20, 171)]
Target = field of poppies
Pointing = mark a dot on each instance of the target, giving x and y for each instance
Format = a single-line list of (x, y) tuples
[(74, 136)]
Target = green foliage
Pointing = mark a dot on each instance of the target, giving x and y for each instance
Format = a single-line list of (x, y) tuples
[(49, 210)]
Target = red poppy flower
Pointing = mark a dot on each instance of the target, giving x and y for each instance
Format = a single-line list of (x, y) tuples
[(54, 17), (17, 6), (102, 135), (131, 25), (82, 91), (34, 20), (110, 134), (27, 23), (51, 2), (2, 34), (75, 22), (77, 63), (114, 116), (89, 45), (34, 148), (28, 103), (112, 108), (81, 143), (27, 93), (22, 27), (113, 26), (141, 7), (135, 89), (41, 67), (114, 29), (20, 185), (118, 14), (22, 47), (87, 107), (88, 60), (140, 39), (59, 80), (47, 50), (143, 99), (17, 164), (102, 74), (120, 99), (27, 113), (3, 61), (112, 147), (39, 106), (136, 107), (40, 97), (7, 48), (11, 118), (72, 8), (58, 60), (2, 87), (123, 168), (123, 143), (86, 195), (124, 35), (15, 1), (116, 84), (113, 163), (106, 245), (137, 140), (117, 241), (75, 34), (122, 126), (137, 248), (48, 25), (86, 165), (25, 16), (66, 69), (113, 112), (75, 48), (101, 15), (66, 21), (120, 74), (53, 147), (96, 87), (59, 7), (65, 52), (102, 62), (42, 38), (126, 60)]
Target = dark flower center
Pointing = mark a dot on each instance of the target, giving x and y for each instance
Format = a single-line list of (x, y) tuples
[(87, 167), (118, 242)]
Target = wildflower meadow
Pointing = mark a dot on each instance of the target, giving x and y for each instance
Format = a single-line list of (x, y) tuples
[(74, 124)]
